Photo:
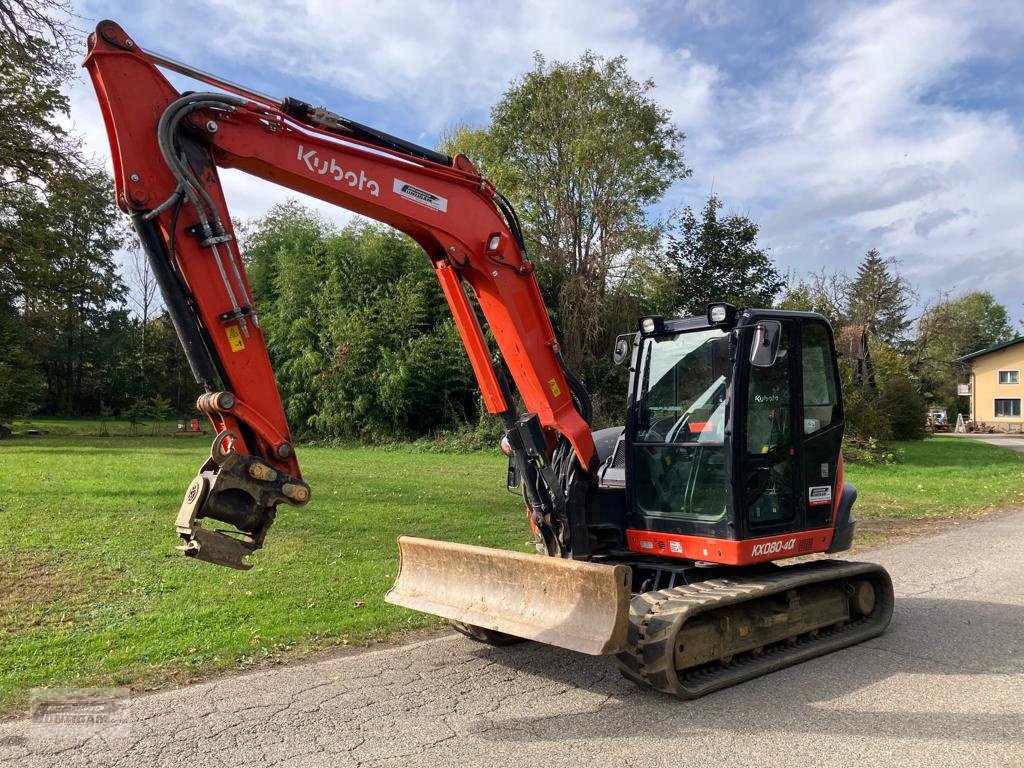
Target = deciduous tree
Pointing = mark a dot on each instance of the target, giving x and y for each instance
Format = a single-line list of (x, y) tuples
[(950, 329), (582, 150)]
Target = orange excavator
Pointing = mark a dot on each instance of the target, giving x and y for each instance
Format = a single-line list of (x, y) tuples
[(659, 541)]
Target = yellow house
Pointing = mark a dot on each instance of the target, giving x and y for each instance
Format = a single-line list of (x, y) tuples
[(996, 385)]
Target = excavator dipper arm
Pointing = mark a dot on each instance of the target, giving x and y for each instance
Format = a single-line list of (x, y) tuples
[(167, 148)]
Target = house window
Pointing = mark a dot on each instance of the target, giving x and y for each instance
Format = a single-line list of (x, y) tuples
[(1009, 377), (1008, 407)]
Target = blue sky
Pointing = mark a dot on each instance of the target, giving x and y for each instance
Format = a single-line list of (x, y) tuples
[(836, 126)]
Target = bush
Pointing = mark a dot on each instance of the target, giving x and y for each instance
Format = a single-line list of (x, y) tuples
[(904, 407), (865, 419), (869, 451)]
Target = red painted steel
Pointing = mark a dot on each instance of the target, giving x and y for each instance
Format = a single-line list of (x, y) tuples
[(729, 551), (449, 211)]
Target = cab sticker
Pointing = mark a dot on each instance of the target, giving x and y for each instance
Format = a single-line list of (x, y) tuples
[(817, 495)]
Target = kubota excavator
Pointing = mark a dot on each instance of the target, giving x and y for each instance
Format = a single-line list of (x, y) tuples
[(662, 537)]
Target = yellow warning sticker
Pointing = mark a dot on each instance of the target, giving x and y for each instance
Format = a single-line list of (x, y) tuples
[(235, 338), (555, 389)]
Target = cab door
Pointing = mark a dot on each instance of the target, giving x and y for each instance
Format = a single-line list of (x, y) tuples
[(767, 451), (821, 422)]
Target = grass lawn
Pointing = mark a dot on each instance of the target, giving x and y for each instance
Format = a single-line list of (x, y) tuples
[(939, 477), (92, 591), (100, 427)]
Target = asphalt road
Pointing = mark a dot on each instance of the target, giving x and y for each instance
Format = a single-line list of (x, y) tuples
[(1014, 442), (943, 687)]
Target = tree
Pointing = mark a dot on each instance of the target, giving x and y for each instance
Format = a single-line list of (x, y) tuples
[(160, 407), (582, 150), (716, 258), (822, 292), (61, 296), (20, 382), (904, 408), (136, 411), (58, 256), (34, 64), (358, 329), (879, 298), (167, 370), (143, 297), (23, 20), (950, 329)]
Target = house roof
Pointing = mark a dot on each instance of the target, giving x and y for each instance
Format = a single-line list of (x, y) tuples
[(994, 348)]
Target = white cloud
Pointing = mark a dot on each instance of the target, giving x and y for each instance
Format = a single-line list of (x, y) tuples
[(430, 64), (711, 13), (247, 197), (845, 151), (434, 61), (840, 146)]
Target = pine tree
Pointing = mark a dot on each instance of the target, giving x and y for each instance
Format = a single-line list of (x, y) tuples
[(717, 258), (879, 298)]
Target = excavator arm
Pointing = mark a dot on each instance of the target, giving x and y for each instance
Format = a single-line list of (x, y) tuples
[(167, 148)]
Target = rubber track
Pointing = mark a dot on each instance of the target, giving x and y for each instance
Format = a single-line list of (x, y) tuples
[(656, 619)]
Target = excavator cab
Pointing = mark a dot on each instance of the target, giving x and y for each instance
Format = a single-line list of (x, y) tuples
[(733, 433)]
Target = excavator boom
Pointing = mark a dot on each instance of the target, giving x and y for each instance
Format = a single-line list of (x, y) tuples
[(167, 148)]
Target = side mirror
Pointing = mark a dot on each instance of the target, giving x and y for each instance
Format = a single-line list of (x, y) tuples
[(765, 346), (623, 344)]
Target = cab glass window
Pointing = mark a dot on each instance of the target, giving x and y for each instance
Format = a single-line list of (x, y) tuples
[(770, 465), (678, 451), (769, 402), (820, 391)]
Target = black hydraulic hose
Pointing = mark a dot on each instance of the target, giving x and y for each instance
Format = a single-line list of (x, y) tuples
[(512, 219), (579, 391), (167, 130), (323, 118), (184, 322)]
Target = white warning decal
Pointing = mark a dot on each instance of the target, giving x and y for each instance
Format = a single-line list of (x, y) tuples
[(421, 196), (818, 495)]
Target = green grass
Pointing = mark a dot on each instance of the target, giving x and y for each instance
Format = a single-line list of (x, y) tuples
[(100, 427), (92, 591), (939, 477)]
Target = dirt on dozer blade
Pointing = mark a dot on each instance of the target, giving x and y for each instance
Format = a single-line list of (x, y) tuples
[(567, 603)]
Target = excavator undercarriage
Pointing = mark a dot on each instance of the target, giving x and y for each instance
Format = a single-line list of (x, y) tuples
[(697, 638), (686, 640)]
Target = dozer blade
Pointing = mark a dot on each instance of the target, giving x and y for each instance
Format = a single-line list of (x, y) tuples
[(567, 603)]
